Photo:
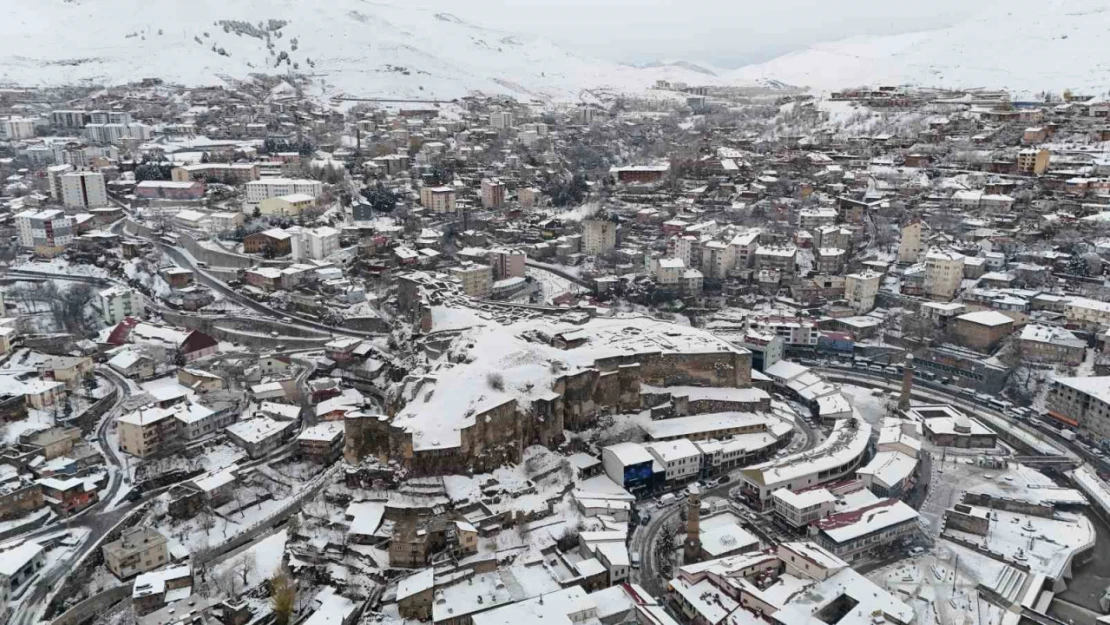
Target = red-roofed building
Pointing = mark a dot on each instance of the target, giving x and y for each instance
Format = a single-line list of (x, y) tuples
[(862, 532)]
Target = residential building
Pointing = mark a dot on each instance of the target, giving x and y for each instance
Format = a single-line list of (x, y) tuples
[(148, 431), (226, 173), (1082, 403), (16, 128), (766, 348), (944, 272), (598, 236), (169, 190), (118, 303), (260, 435), (507, 263), (54, 175), (946, 426), (322, 442), (493, 193), (477, 280), (680, 459), (438, 200), (911, 244), (270, 243), (67, 496), (138, 550), (501, 120), (629, 465), (1087, 314), (860, 289), (1033, 161), (47, 232), (17, 566), (1051, 344), (116, 133), (777, 258), (314, 243), (84, 189)]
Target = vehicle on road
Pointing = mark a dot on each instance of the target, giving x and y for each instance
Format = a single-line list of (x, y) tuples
[(667, 499)]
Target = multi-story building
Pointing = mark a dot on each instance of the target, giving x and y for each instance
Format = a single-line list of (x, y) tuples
[(264, 189), (860, 290), (829, 260), (1051, 344), (114, 133), (148, 431), (286, 205), (1082, 403), (501, 120), (46, 231), (477, 280), (118, 303), (1087, 314), (858, 533), (226, 173), (313, 243), (795, 331), (812, 218), (507, 263), (766, 348), (84, 189), (438, 199), (717, 259), (1033, 161), (109, 117), (493, 193), (17, 566), (669, 272), (139, 549), (16, 128), (777, 258), (910, 245), (69, 118), (944, 272), (801, 509), (981, 330), (54, 175), (680, 459), (598, 236), (744, 247)]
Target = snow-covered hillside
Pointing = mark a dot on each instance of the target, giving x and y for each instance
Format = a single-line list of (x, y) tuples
[(1024, 45), (363, 48)]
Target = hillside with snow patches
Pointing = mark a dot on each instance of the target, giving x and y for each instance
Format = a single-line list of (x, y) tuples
[(1023, 45), (357, 47)]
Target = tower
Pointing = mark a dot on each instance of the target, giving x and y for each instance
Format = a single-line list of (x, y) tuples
[(692, 546), (907, 384)]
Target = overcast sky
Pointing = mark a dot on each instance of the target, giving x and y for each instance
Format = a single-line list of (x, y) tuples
[(727, 33)]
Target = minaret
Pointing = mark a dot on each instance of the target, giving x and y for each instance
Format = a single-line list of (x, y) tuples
[(692, 546), (907, 384)]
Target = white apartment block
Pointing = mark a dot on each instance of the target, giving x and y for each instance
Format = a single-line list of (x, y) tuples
[(110, 117), (314, 243), (477, 280), (258, 190), (54, 180), (681, 459), (44, 231), (114, 133), (17, 128), (84, 189), (598, 236), (669, 271), (944, 272), (860, 290), (438, 199), (117, 303), (69, 119)]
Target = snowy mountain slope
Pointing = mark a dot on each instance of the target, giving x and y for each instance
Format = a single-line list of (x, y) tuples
[(360, 47), (1024, 45)]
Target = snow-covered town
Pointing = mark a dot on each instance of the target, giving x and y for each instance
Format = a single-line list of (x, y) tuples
[(653, 345)]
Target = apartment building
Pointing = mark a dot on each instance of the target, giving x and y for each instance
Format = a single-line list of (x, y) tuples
[(944, 272), (258, 190), (115, 133), (777, 258), (226, 173), (313, 243), (501, 120), (54, 175), (1033, 161), (1087, 314), (286, 205), (439, 200), (598, 236), (118, 303), (84, 189), (1082, 403), (493, 193), (795, 331), (69, 118), (47, 232), (801, 509), (858, 533), (148, 431), (813, 218), (680, 459), (16, 128), (139, 549), (507, 263), (981, 330), (1051, 344), (910, 246), (17, 566), (860, 289), (477, 280)]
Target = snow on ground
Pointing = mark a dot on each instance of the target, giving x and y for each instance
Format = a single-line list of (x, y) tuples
[(61, 266), (1061, 45), (553, 285), (870, 406), (415, 52), (261, 560)]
